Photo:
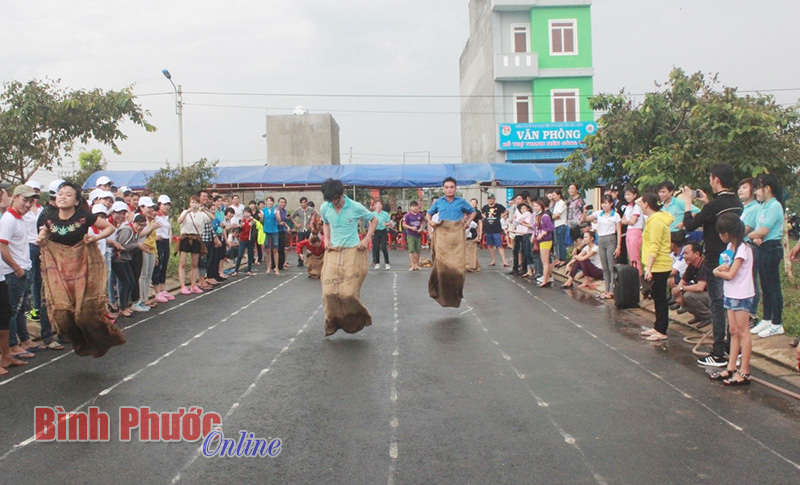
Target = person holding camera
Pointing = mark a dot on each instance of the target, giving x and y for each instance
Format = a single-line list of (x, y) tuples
[(721, 179)]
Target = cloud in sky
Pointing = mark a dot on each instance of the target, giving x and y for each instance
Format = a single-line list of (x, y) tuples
[(354, 47)]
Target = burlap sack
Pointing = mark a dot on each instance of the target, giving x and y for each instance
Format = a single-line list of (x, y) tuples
[(74, 280), (448, 249), (343, 272), (473, 265), (314, 265)]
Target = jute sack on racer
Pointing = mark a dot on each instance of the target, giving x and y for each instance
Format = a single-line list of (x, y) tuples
[(448, 249), (343, 272), (74, 279)]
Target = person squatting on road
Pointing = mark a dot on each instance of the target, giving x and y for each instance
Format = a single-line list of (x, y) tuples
[(345, 265), (448, 248)]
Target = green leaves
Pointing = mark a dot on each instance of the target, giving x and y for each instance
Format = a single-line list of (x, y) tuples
[(679, 131), (180, 183), (40, 123)]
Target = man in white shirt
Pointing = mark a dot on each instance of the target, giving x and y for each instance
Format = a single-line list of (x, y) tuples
[(15, 266), (560, 223), (238, 210)]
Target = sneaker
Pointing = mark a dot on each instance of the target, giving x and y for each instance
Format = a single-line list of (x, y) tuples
[(33, 315), (185, 291), (387, 266), (712, 361), (681, 311), (140, 307), (160, 298), (738, 359), (377, 266), (770, 331), (762, 325), (196, 289), (674, 306), (169, 296)]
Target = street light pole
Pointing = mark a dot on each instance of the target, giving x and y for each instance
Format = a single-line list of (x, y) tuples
[(178, 111)]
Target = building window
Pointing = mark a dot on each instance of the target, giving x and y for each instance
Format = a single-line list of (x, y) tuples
[(519, 37), (565, 105), (522, 108), (563, 37)]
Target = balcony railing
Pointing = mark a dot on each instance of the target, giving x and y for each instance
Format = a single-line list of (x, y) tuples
[(520, 66)]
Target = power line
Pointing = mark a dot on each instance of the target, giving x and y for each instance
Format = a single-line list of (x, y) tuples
[(407, 96)]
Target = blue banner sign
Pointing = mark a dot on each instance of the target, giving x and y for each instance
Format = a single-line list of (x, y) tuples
[(538, 136)]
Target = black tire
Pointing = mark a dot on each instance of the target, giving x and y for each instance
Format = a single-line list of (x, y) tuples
[(626, 286)]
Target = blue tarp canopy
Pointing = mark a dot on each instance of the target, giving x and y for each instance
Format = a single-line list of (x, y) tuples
[(377, 176)]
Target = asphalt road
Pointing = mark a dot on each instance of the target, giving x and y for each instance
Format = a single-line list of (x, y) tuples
[(519, 385)]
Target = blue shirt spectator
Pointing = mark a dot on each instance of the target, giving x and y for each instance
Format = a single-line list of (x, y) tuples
[(771, 217)]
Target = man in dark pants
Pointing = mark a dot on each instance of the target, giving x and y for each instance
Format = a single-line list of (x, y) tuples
[(302, 221), (283, 233), (721, 179), (520, 258)]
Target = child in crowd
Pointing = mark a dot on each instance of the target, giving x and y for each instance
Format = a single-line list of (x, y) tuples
[(634, 219), (412, 224), (736, 268)]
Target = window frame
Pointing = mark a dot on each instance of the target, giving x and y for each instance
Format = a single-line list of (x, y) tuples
[(574, 23), (527, 97), (527, 28), (575, 96)]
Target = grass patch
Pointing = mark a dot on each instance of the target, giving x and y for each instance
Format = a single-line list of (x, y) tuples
[(791, 302)]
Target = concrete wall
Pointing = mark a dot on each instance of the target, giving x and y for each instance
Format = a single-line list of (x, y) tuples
[(309, 139), (478, 138)]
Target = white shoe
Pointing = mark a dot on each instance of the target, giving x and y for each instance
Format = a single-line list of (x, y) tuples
[(771, 330), (140, 307), (377, 266), (387, 266), (762, 325)]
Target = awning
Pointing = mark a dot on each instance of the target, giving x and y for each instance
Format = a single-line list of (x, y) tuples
[(376, 176)]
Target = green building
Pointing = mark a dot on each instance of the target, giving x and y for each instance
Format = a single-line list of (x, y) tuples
[(526, 78)]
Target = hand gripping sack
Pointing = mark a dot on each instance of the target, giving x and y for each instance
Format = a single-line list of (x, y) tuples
[(343, 272), (448, 249)]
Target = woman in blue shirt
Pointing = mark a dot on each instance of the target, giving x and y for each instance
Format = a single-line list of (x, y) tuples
[(767, 236), (380, 238)]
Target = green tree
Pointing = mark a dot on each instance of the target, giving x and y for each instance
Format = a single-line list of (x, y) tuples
[(40, 123), (683, 128), (88, 163), (180, 183)]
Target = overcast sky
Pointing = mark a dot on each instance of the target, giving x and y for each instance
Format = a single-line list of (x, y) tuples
[(362, 47)]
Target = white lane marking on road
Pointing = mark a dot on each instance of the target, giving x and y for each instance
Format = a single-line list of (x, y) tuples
[(542, 404), (662, 379), (394, 423), (129, 327), (199, 451), (127, 378)]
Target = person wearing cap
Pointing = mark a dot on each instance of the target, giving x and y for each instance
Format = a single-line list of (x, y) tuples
[(147, 236), (101, 212), (103, 183), (124, 243), (35, 282), (15, 266), (124, 193), (6, 358), (163, 237)]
